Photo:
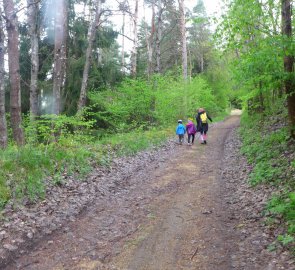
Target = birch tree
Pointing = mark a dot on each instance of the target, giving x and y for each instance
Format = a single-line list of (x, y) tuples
[(14, 75), (3, 126), (33, 8), (289, 62), (90, 39), (135, 39), (183, 38), (60, 35)]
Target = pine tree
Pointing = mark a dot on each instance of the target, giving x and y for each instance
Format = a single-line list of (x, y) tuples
[(13, 65)]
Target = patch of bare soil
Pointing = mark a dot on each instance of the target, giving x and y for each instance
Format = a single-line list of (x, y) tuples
[(175, 208)]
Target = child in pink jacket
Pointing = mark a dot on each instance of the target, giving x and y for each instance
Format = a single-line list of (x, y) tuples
[(191, 131)]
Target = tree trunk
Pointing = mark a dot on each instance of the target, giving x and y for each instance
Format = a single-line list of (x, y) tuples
[(14, 75), (90, 38), (59, 54), (289, 64), (261, 98), (202, 63), (135, 37), (64, 47), (3, 125), (183, 38), (33, 8), (159, 37), (149, 43), (123, 44)]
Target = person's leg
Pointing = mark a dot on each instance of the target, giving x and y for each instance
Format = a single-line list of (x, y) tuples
[(205, 137), (202, 135), (189, 138), (179, 138), (193, 138)]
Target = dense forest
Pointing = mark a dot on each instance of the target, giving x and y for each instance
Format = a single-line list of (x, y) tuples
[(74, 89)]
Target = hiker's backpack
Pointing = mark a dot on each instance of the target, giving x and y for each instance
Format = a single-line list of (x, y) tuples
[(203, 117)]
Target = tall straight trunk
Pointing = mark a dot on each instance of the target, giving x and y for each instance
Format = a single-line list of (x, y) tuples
[(202, 63), (13, 65), (135, 38), (59, 54), (289, 64), (90, 38), (159, 37), (33, 8), (123, 44), (183, 39), (261, 98), (149, 43), (3, 125), (64, 47)]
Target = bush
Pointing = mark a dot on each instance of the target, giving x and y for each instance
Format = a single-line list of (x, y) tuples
[(140, 103)]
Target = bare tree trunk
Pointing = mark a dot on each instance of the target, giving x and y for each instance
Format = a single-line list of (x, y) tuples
[(13, 65), (159, 37), (289, 64), (123, 44), (190, 64), (90, 38), (149, 43), (59, 54), (64, 47), (3, 125), (183, 38), (202, 63), (135, 37), (33, 8)]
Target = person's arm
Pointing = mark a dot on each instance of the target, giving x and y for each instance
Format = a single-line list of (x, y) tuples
[(198, 119), (209, 117), (198, 122)]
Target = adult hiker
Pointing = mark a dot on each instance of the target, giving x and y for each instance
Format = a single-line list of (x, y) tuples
[(202, 124)]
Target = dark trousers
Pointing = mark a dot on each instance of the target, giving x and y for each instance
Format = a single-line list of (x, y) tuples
[(189, 136), (181, 138), (204, 129)]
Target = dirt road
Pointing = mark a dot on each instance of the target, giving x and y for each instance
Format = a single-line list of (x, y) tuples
[(168, 216)]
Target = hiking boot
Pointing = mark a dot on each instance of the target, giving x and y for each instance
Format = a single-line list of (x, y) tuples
[(205, 142)]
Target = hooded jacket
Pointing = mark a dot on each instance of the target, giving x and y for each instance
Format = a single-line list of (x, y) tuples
[(180, 129), (191, 128)]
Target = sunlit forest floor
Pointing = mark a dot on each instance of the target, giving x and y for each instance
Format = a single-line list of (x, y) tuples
[(188, 207)]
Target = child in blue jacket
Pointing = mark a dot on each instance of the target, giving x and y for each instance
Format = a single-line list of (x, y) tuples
[(180, 131)]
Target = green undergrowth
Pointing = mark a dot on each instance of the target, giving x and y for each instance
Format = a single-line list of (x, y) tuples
[(130, 143), (268, 147), (23, 170), (26, 171)]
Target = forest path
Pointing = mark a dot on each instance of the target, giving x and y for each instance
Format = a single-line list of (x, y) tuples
[(167, 216)]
